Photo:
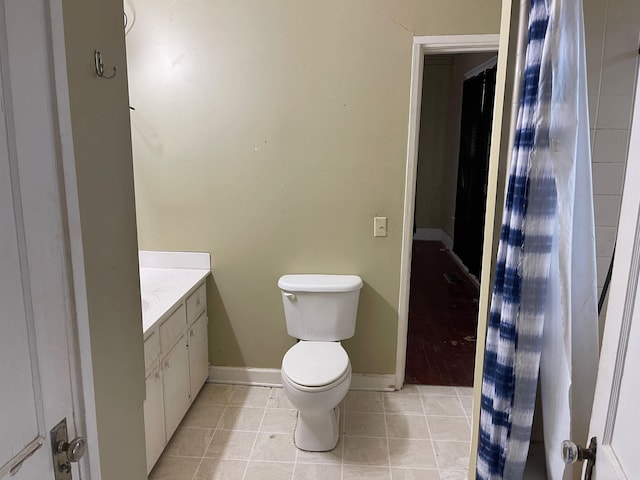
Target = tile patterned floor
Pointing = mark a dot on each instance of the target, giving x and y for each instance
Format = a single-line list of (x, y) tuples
[(245, 433)]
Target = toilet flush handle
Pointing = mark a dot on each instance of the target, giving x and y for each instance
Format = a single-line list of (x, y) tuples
[(290, 296)]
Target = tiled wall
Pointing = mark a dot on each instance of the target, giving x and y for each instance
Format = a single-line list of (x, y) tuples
[(612, 28)]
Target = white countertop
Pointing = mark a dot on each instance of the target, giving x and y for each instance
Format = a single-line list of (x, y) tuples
[(162, 288)]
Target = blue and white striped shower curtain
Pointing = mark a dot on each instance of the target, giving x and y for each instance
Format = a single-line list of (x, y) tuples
[(543, 316)]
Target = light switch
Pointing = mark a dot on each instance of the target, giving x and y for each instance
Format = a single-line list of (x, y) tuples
[(379, 226)]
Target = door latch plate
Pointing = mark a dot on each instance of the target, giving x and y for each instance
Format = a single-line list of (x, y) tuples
[(61, 464)]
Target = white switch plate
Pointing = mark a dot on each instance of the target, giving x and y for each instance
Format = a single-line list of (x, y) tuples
[(379, 226)]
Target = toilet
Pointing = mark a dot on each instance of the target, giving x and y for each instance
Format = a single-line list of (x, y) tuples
[(320, 310)]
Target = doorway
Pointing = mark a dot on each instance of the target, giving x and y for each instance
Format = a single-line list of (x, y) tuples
[(438, 289), (451, 188)]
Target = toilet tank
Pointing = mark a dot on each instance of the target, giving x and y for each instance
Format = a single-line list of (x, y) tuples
[(320, 307)]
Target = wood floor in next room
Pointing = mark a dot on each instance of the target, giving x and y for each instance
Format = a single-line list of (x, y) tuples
[(246, 433), (443, 310)]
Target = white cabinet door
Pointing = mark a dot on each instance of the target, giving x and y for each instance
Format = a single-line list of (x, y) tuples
[(198, 354), (154, 431), (176, 386), (615, 421)]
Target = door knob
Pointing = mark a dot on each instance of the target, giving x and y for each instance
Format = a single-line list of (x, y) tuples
[(572, 453), (65, 452), (74, 449)]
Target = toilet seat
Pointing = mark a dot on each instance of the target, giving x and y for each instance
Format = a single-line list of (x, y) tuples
[(315, 366)]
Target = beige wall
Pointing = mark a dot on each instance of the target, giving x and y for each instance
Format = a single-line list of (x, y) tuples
[(433, 161), (611, 31), (102, 148), (270, 133), (439, 144)]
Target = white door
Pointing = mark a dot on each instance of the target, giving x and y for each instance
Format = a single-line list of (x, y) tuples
[(35, 318), (615, 420)]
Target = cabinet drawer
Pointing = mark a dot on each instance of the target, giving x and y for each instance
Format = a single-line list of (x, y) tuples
[(172, 329), (196, 303), (151, 352)]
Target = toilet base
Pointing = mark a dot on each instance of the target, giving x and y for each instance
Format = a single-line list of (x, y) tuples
[(317, 431)]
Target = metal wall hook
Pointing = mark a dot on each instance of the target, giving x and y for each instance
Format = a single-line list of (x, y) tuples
[(100, 66)]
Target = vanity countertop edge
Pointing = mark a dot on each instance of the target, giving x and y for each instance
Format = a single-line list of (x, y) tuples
[(166, 280)]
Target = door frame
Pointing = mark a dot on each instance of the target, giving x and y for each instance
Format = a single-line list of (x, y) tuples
[(431, 45), (512, 37), (78, 332)]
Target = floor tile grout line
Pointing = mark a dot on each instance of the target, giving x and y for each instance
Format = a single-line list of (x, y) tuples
[(465, 411), (465, 414), (453, 441), (255, 441), (191, 457), (257, 461), (386, 432), (376, 436), (293, 439), (433, 446), (344, 429), (209, 442)]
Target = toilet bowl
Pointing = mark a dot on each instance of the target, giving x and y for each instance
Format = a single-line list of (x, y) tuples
[(320, 310), (316, 377)]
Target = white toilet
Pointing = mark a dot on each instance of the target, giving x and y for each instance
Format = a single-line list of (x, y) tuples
[(320, 310)]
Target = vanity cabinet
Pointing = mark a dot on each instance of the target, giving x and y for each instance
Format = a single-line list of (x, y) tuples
[(176, 362), (176, 386), (198, 353), (154, 418)]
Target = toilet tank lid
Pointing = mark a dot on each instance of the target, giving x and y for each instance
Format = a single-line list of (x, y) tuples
[(320, 283)]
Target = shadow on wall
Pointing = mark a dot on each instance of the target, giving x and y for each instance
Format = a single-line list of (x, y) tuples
[(222, 325), (145, 130), (366, 353)]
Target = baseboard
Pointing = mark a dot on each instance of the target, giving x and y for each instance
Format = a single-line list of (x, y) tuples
[(376, 382), (434, 234), (270, 377), (266, 377), (441, 236), (470, 276)]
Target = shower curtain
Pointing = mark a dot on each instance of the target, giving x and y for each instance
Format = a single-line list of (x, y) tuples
[(543, 319)]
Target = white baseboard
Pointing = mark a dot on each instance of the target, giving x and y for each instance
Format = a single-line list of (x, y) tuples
[(270, 377), (434, 234), (377, 382), (266, 377)]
